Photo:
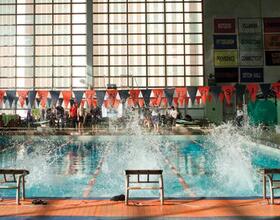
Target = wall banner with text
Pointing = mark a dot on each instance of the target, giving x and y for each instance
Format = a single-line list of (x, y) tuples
[(226, 58), (272, 58), (250, 25), (271, 25), (226, 75), (225, 42), (224, 25), (272, 41), (250, 41), (251, 75), (251, 58)]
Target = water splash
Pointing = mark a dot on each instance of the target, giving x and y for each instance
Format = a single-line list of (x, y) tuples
[(231, 152)]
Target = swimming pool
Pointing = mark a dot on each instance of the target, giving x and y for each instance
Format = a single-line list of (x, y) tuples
[(87, 167)]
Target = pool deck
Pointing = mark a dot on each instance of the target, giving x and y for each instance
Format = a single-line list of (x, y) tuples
[(144, 209)]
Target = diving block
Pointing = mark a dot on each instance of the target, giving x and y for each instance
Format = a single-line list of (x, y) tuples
[(14, 176), (269, 174), (147, 180)]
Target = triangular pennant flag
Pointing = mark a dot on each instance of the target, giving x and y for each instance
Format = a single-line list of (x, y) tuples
[(134, 95), (192, 90), (266, 89), (100, 94), (106, 103), (253, 90), (54, 97), (94, 103), (153, 101), (124, 94), (67, 95), (276, 89), (22, 97), (31, 98), (169, 95), (221, 97), (38, 100), (146, 93), (78, 96), (11, 95), (89, 96), (116, 103), (43, 96), (175, 101), (112, 96), (164, 102), (198, 98), (2, 93), (141, 102), (216, 91), (228, 92), (204, 92), (240, 91), (158, 93), (181, 94)]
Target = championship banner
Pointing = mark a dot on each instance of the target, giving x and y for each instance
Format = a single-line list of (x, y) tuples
[(250, 25), (225, 42), (226, 75), (43, 97), (250, 41), (215, 91), (272, 58), (271, 25), (251, 58), (89, 96), (124, 94), (226, 58), (251, 75), (224, 25), (253, 90), (272, 41), (134, 95), (31, 98), (54, 97)]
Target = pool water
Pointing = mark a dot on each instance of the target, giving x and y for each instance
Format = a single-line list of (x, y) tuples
[(65, 166)]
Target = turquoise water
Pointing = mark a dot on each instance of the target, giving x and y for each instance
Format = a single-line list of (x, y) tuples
[(64, 166)]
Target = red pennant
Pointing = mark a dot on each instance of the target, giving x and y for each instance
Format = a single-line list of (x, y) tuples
[(276, 89), (228, 91), (83, 103), (22, 97), (253, 90), (187, 100), (222, 97), (67, 95), (164, 102), (198, 99), (158, 93), (89, 96), (106, 103), (204, 92), (94, 103), (130, 102), (112, 95), (2, 92), (181, 94), (153, 101), (134, 95), (141, 102), (43, 96), (116, 103), (175, 101)]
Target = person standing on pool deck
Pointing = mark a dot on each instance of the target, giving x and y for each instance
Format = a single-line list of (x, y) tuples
[(155, 119), (81, 115), (174, 114)]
